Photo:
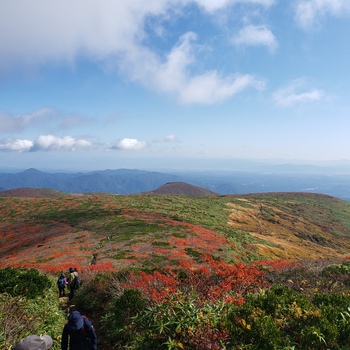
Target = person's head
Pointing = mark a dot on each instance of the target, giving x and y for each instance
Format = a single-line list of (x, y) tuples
[(71, 269), (75, 321), (62, 275), (35, 342)]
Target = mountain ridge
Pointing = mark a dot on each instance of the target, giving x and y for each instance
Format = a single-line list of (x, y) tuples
[(133, 181)]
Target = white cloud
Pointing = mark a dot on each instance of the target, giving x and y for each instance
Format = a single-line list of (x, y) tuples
[(50, 142), (130, 144), (172, 76), (256, 36), (16, 145), (43, 31), (44, 143), (297, 93), (291, 99), (210, 88), (69, 143), (49, 30), (308, 12)]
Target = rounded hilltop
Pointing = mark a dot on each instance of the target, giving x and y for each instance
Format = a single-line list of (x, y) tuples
[(182, 189)]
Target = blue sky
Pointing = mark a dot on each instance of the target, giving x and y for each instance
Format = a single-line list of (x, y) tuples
[(107, 84)]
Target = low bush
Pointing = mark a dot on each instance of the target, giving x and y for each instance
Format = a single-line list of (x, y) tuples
[(181, 322), (35, 311), (26, 282), (116, 324), (282, 318)]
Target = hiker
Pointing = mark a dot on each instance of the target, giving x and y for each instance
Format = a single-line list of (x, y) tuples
[(79, 333), (93, 259), (77, 281), (34, 342), (73, 282), (61, 284)]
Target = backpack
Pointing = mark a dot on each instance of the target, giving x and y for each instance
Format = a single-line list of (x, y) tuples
[(88, 342), (60, 282), (87, 325), (77, 281)]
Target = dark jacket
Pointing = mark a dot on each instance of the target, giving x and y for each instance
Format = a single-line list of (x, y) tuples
[(79, 332)]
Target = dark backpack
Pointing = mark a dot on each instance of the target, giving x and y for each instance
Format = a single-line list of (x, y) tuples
[(60, 282), (77, 281)]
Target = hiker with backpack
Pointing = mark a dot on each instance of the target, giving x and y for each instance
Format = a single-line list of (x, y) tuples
[(61, 284), (79, 333), (73, 282)]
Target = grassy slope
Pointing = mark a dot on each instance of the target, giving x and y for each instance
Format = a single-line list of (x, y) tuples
[(33, 193), (54, 233)]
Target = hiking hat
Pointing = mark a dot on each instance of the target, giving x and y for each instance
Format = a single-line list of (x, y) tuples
[(34, 342), (75, 321)]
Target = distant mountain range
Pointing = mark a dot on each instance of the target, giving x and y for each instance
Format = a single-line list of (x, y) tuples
[(130, 181), (121, 181)]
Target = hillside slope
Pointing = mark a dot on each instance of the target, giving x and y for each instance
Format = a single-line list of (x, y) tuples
[(153, 230), (33, 193)]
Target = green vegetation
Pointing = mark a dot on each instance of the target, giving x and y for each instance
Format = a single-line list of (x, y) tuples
[(116, 331), (281, 318), (22, 282), (28, 305)]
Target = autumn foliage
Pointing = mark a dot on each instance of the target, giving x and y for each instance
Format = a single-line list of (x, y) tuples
[(211, 281)]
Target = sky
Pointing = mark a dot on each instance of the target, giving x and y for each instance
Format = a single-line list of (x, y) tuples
[(156, 84)]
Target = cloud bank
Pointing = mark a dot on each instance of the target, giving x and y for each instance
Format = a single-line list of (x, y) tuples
[(113, 33), (44, 143)]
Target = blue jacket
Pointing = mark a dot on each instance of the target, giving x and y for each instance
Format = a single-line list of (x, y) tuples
[(79, 332)]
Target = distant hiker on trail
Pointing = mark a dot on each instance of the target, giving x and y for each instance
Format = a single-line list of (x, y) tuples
[(77, 279), (34, 342), (79, 333), (61, 284), (93, 259), (73, 282)]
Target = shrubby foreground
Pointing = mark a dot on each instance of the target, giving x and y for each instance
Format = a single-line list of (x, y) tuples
[(266, 305)]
